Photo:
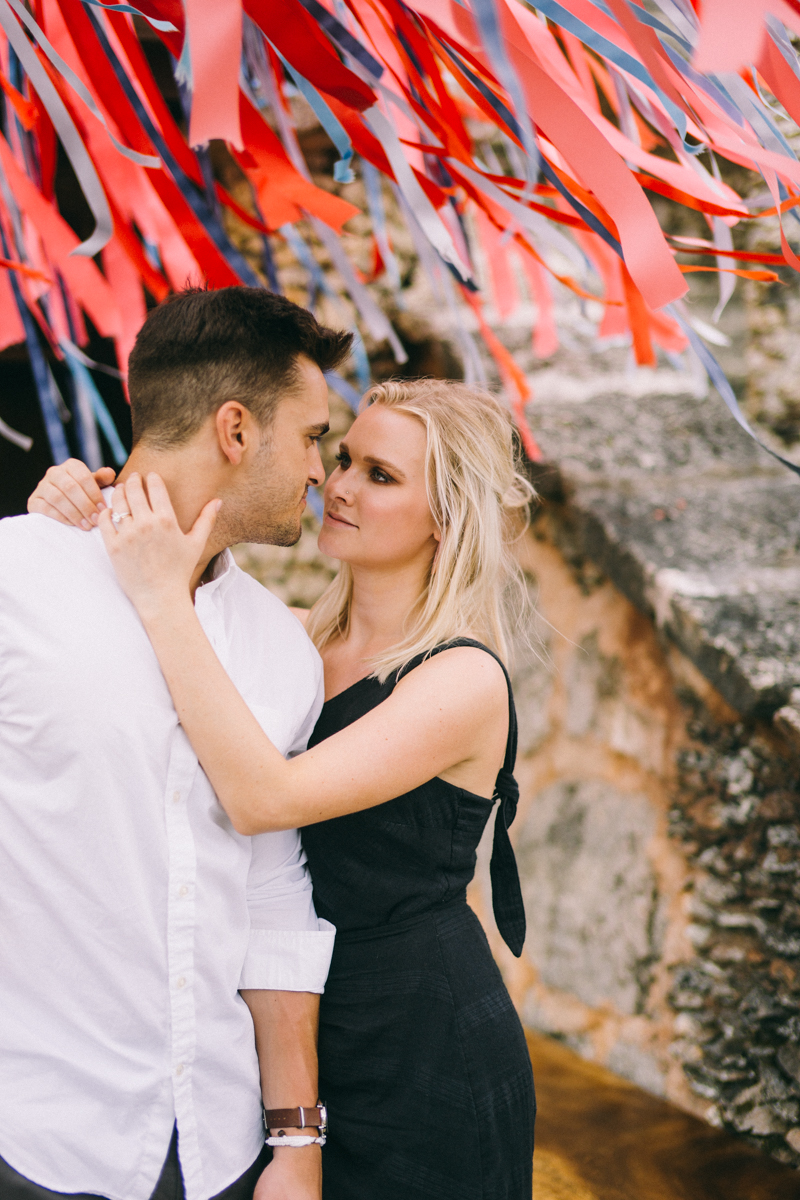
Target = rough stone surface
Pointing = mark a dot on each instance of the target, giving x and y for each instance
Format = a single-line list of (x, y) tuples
[(737, 813), (590, 893), (690, 520)]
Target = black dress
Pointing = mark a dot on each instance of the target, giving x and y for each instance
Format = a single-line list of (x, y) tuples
[(423, 1062)]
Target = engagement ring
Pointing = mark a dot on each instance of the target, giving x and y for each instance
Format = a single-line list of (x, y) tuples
[(118, 517)]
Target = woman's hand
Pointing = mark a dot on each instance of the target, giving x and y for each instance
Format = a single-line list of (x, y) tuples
[(70, 493), (155, 561)]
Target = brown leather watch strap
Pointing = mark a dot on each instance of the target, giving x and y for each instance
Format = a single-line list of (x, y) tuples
[(296, 1118)]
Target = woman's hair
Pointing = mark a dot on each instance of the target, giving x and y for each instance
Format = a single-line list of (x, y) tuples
[(475, 492)]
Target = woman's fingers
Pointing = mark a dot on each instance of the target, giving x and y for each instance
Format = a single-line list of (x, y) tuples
[(137, 502), (68, 493), (49, 501), (120, 505), (106, 526), (159, 499), (105, 477), (201, 530)]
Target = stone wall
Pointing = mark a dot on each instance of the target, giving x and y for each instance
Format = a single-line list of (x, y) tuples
[(656, 842)]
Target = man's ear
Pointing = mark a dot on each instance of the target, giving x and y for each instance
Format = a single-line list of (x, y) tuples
[(235, 430)]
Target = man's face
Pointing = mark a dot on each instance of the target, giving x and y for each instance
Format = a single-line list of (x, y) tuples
[(286, 463)]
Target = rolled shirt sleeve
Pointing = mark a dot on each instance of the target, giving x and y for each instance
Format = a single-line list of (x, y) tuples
[(290, 947)]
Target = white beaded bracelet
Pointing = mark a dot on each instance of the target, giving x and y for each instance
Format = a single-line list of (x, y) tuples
[(296, 1140)]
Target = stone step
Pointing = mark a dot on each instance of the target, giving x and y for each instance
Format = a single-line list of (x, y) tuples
[(599, 1137)]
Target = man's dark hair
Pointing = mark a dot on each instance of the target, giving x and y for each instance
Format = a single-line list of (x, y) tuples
[(201, 348)]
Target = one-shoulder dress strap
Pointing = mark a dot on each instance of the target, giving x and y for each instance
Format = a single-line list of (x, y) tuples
[(509, 910)]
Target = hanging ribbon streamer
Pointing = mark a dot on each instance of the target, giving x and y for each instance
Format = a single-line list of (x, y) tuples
[(376, 321), (488, 22), (426, 215), (189, 191), (720, 382), (334, 129), (91, 408), (372, 186), (17, 439), (88, 440), (214, 34), (70, 138), (343, 38), (50, 401), (143, 160), (344, 389), (162, 26), (543, 129)]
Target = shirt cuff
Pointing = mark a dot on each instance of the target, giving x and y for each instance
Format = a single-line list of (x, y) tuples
[(288, 960)]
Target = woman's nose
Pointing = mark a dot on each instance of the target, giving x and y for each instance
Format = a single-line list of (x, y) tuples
[(343, 488)]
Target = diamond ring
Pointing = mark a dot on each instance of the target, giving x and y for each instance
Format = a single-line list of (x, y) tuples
[(119, 517)]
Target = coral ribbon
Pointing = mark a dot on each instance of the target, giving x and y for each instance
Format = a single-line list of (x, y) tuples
[(214, 29), (81, 274)]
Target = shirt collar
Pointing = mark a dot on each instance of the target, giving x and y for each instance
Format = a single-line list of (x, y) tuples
[(224, 568)]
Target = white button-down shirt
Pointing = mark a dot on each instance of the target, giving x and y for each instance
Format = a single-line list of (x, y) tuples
[(131, 912)]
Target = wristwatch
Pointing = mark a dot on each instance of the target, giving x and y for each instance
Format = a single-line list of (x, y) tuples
[(297, 1118)]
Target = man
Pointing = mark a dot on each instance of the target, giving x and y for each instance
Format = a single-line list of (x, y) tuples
[(152, 959)]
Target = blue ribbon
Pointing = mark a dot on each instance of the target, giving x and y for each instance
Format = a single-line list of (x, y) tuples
[(83, 380), (342, 172), (720, 382), (607, 49), (316, 280), (344, 389), (164, 26), (43, 379), (377, 212), (488, 23), (586, 214)]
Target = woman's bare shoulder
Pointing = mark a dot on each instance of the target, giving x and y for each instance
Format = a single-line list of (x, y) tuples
[(462, 667), (301, 614)]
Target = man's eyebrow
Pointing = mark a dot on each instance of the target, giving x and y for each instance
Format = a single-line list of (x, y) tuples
[(318, 430)]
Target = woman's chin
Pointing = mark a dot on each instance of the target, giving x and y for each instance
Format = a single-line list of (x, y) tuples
[(329, 543)]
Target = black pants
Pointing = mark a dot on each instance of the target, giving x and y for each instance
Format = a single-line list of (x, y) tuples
[(14, 1186)]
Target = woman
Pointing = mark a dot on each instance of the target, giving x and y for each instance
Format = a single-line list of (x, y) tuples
[(423, 1063)]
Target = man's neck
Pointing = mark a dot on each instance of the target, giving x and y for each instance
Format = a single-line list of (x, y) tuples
[(187, 482)]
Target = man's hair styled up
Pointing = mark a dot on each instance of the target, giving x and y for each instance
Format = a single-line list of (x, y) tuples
[(202, 348)]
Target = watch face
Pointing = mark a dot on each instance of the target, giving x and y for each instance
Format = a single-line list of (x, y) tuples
[(323, 1114)]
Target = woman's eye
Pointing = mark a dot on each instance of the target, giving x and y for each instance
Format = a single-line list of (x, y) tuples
[(381, 476), (343, 459)]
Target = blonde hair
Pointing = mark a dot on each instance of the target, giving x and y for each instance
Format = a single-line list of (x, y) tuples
[(473, 488)]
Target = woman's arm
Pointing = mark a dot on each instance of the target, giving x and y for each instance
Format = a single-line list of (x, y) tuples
[(434, 719), (70, 493)]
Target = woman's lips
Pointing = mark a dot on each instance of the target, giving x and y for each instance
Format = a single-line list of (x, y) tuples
[(335, 519)]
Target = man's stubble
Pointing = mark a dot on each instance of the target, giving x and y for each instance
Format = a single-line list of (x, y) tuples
[(265, 509)]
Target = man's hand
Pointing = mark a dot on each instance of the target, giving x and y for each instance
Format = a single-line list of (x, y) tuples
[(295, 1173)]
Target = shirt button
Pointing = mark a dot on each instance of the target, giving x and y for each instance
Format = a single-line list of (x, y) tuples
[(180, 982), (176, 797), (183, 890), (179, 1069)]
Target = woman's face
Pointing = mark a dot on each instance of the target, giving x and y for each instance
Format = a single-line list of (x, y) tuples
[(376, 505)]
